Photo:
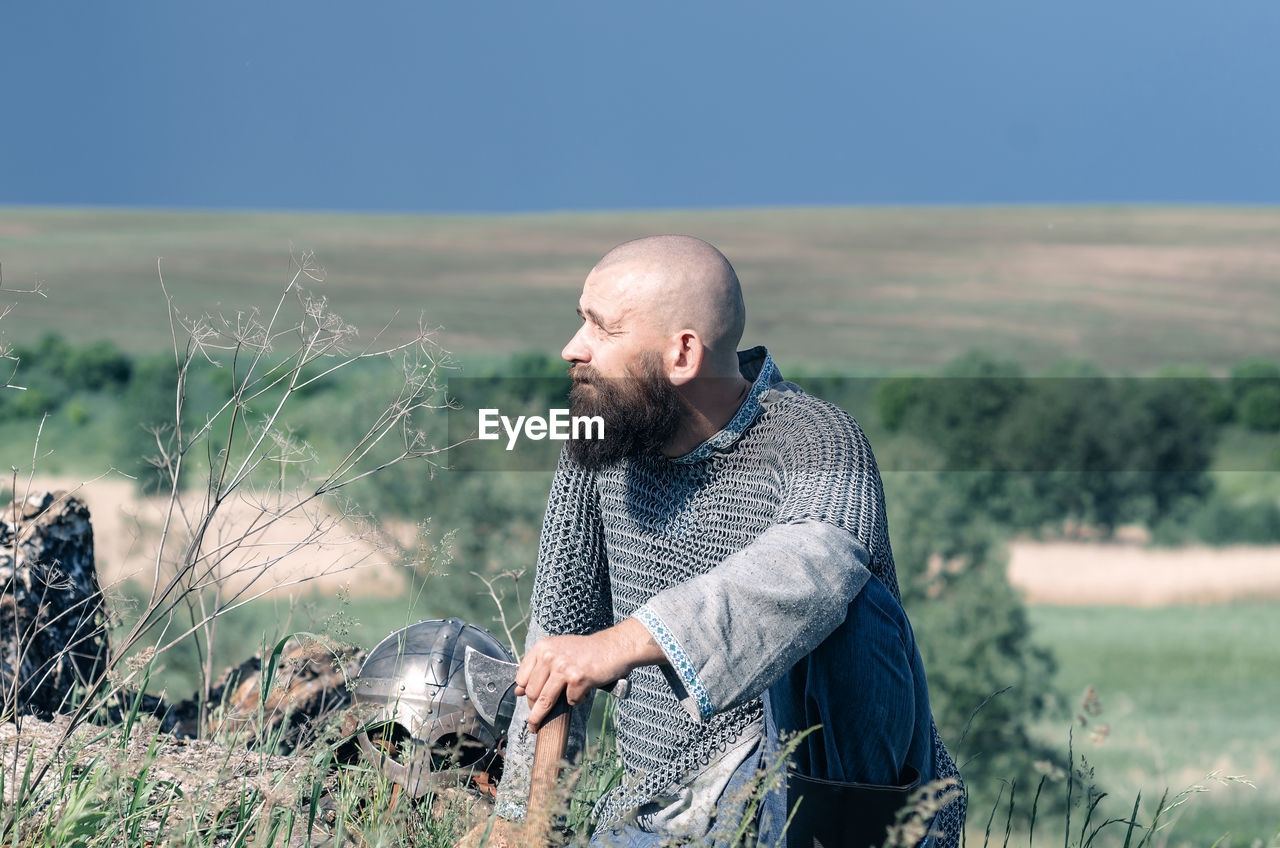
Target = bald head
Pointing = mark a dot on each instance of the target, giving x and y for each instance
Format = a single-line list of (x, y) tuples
[(680, 283)]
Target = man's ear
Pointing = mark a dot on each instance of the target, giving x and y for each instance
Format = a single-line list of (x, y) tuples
[(686, 358)]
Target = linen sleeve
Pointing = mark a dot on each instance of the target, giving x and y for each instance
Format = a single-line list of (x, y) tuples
[(571, 595), (734, 631)]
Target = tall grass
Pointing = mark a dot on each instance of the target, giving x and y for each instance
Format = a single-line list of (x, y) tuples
[(95, 799)]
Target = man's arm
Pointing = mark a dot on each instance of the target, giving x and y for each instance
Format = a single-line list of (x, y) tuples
[(728, 635), (576, 665), (734, 631)]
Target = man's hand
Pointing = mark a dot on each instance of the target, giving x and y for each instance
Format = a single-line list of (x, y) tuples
[(575, 665)]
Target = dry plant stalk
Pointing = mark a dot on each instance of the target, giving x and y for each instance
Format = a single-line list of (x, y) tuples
[(499, 597), (204, 565)]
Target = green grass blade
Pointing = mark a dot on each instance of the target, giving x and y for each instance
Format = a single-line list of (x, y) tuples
[(1035, 805), (987, 838)]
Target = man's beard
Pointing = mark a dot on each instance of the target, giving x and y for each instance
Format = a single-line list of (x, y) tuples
[(641, 412)]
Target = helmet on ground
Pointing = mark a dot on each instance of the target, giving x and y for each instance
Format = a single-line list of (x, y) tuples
[(421, 729)]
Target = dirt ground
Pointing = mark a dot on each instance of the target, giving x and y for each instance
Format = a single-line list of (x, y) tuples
[(127, 529), (1064, 573), (1126, 573)]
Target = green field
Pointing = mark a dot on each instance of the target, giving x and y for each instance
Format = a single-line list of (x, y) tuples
[(853, 290), (1184, 691)]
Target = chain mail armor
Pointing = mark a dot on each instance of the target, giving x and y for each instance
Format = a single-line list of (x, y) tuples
[(614, 539)]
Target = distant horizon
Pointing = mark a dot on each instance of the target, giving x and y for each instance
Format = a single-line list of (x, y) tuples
[(761, 207), (1132, 288)]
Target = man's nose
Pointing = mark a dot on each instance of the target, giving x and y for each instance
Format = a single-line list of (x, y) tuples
[(576, 350)]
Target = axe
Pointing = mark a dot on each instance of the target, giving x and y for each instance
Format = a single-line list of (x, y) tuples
[(491, 686)]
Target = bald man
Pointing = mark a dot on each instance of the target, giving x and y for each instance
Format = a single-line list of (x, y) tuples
[(725, 548)]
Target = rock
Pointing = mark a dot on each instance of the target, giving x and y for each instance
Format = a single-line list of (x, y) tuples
[(310, 687), (53, 633)]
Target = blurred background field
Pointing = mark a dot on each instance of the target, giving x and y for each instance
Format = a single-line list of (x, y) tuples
[(857, 291), (835, 294), (1183, 691)]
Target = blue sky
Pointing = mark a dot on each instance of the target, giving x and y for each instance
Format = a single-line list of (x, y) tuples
[(508, 107)]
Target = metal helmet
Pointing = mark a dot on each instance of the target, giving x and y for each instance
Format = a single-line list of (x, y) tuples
[(421, 729)]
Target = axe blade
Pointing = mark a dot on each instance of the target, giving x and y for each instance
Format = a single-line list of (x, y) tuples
[(489, 682)]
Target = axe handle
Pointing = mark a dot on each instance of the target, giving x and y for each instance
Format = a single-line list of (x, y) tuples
[(548, 752)]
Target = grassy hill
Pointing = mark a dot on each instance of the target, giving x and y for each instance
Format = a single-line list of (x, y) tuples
[(853, 290)]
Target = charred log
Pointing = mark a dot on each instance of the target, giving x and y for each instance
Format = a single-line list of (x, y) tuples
[(53, 635)]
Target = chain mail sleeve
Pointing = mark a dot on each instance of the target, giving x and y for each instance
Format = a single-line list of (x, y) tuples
[(571, 595), (734, 631)]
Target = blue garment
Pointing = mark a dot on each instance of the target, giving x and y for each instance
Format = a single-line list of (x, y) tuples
[(864, 689)]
